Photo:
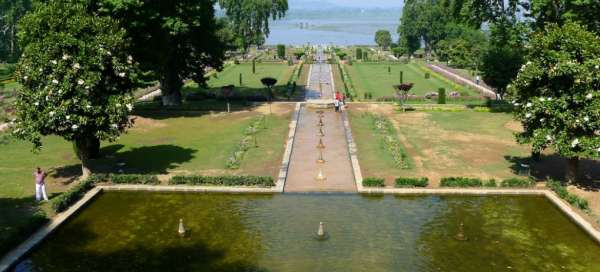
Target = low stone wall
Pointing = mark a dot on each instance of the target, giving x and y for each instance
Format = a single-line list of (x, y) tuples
[(287, 154)]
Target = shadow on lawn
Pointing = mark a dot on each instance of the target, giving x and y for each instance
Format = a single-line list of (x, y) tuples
[(19, 218), (554, 166), (68, 248), (157, 159)]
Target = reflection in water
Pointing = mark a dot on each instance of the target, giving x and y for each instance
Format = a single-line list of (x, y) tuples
[(138, 232)]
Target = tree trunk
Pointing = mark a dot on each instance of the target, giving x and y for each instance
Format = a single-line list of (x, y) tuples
[(571, 174), (171, 84), (85, 148)]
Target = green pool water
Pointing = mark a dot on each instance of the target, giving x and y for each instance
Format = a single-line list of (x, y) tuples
[(137, 231)]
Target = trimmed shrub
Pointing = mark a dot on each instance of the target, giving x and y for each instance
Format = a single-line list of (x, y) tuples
[(411, 182), (562, 192), (133, 179), (460, 182), (441, 96), (373, 182), (261, 181), (281, 51), (517, 182), (427, 75), (490, 183), (68, 198), (359, 53)]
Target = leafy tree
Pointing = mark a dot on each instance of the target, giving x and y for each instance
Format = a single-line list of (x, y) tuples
[(462, 46), (501, 62), (10, 13), (250, 18), (281, 51), (359, 53), (178, 39), (584, 12), (422, 20), (383, 38), (557, 94), (77, 77)]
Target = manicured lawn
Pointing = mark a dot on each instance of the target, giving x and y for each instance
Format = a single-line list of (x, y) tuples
[(170, 143), (250, 82), (374, 78), (440, 144)]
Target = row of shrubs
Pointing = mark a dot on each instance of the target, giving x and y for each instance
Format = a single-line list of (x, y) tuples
[(562, 192), (261, 181), (385, 129), (403, 182), (234, 161), (348, 86)]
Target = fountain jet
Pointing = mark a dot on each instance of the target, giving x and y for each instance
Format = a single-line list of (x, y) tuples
[(181, 231), (321, 231)]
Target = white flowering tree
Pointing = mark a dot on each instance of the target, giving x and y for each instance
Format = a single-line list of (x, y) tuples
[(557, 94), (76, 76)]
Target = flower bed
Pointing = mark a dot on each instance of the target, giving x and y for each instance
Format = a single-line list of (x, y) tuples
[(390, 141), (411, 182), (373, 182), (234, 161)]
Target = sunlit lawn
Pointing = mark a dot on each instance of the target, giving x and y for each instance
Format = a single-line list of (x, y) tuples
[(158, 144), (375, 78)]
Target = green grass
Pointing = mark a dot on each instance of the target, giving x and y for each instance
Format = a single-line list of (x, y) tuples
[(250, 82), (466, 143), (160, 144), (374, 78)]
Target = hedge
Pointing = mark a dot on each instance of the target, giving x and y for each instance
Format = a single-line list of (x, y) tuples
[(562, 192), (66, 199), (133, 179), (373, 182), (517, 182), (460, 182), (261, 181), (411, 182)]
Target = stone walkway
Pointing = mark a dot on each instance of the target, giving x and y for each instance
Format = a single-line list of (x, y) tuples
[(337, 168)]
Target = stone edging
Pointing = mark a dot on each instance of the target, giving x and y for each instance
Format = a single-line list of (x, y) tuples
[(189, 188), (485, 91), (358, 178), (14, 256), (285, 162), (567, 209)]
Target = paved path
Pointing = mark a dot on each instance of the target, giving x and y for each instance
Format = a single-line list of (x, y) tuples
[(303, 169)]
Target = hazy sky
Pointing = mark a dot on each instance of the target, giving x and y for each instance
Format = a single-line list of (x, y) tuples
[(363, 3)]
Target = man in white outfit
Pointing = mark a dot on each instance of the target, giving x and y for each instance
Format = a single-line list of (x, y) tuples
[(40, 185)]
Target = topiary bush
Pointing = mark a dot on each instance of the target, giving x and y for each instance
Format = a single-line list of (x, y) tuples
[(68, 198), (411, 182), (373, 182), (517, 182), (461, 182), (260, 181), (441, 96), (133, 179), (562, 192), (427, 75)]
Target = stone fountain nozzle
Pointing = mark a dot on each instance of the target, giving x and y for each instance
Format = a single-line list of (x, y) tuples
[(181, 230), (321, 231)]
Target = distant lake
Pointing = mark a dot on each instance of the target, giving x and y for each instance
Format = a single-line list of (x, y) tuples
[(346, 27)]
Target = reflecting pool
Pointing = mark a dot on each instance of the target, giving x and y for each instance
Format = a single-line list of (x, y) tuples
[(137, 231)]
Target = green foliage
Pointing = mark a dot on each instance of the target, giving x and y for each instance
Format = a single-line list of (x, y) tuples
[(462, 47), (562, 192), (176, 39), (421, 20), (556, 93), (68, 198), (584, 13), (427, 75), (383, 38), (373, 182), (460, 182), (259, 181), (133, 179), (359, 53), (390, 142), (411, 182), (11, 11), (491, 183), (76, 75), (281, 51), (249, 19), (441, 96), (248, 141), (517, 182)]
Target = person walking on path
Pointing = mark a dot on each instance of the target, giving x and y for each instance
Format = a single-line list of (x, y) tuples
[(336, 103), (40, 185)]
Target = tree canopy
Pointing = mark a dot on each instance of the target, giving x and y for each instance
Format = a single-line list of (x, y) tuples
[(10, 13), (249, 19), (383, 38), (177, 39), (557, 93), (77, 77)]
